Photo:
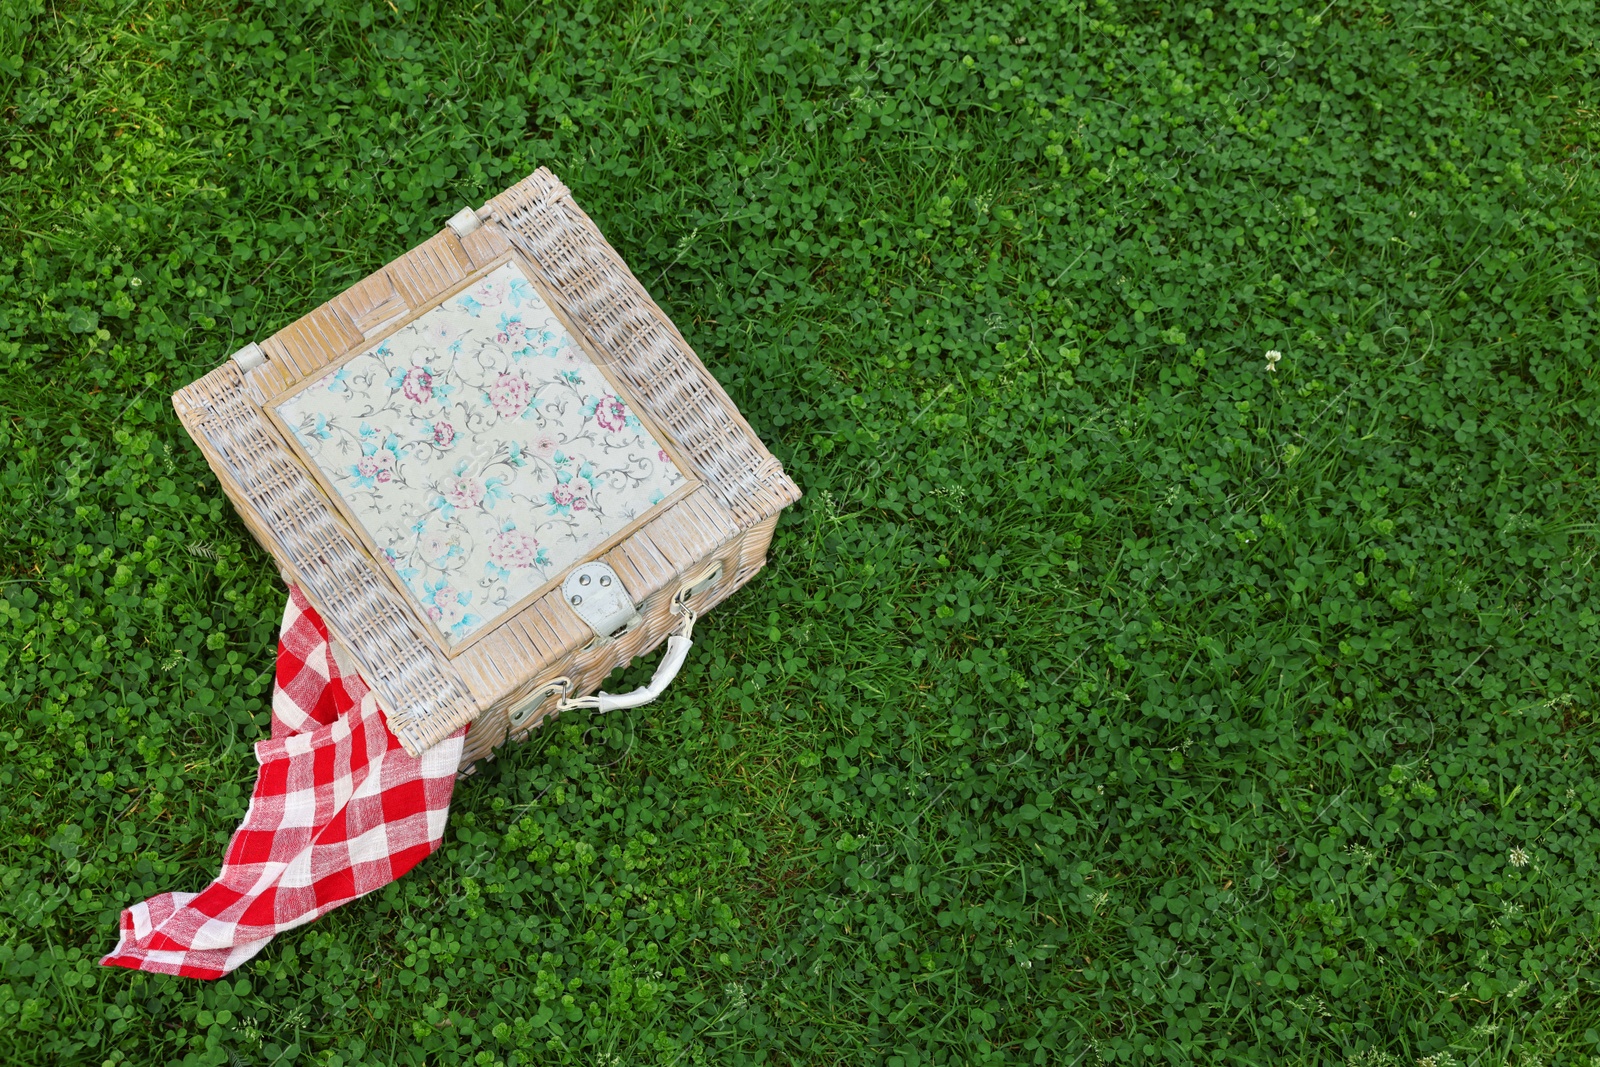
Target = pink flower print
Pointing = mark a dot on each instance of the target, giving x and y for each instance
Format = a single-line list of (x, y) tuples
[(661, 453), (443, 434), (379, 467), (509, 395), (514, 549), (580, 504), (444, 606), (417, 385), (514, 333), (435, 546), (463, 492), (562, 494), (440, 331), (610, 413), (545, 445), (490, 293)]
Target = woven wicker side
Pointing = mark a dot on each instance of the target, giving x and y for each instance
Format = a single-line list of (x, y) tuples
[(429, 269), (484, 245), (308, 343), (296, 524), (753, 554), (588, 667), (526, 643), (639, 343), (648, 560), (371, 304)]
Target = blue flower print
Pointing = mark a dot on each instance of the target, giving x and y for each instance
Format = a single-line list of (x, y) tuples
[(407, 574), (519, 292), (319, 430)]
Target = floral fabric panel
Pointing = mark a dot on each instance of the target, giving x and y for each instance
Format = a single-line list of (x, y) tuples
[(482, 450)]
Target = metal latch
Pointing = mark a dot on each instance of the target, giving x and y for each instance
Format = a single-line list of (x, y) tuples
[(594, 591)]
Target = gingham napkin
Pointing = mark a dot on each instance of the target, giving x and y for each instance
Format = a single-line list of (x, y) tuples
[(339, 810)]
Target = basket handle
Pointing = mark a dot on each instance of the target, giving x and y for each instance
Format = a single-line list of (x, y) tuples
[(678, 646), (677, 651)]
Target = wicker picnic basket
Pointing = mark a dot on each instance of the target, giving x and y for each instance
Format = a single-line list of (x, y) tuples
[(496, 469)]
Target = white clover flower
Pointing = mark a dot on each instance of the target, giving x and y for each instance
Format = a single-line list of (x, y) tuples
[(1519, 857), (1272, 359)]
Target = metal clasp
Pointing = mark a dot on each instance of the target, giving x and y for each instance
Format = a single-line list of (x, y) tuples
[(595, 592)]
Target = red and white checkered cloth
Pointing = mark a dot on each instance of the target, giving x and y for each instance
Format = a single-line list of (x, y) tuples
[(339, 810)]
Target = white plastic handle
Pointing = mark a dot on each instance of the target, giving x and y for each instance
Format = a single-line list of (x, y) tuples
[(678, 646), (666, 671)]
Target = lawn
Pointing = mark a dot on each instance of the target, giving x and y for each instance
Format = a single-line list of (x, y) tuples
[(1117, 693)]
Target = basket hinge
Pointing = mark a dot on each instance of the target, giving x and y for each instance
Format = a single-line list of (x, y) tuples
[(250, 357), (464, 221)]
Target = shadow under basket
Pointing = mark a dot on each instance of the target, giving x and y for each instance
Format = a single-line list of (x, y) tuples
[(496, 469)]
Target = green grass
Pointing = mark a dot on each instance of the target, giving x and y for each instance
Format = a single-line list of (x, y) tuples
[(1108, 698)]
